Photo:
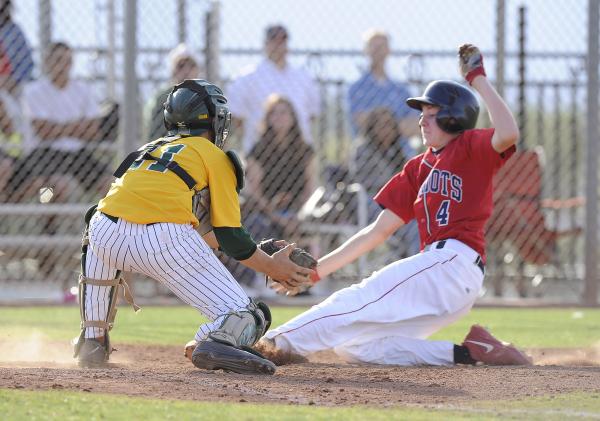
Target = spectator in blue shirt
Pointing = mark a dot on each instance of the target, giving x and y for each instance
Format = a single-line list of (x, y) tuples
[(15, 52), (375, 89)]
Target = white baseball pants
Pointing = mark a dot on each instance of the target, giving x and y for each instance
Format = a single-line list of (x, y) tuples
[(387, 317), (173, 254)]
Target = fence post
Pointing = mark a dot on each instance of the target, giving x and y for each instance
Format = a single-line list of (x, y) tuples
[(129, 115), (522, 116), (111, 76), (211, 49), (590, 293), (181, 21), (500, 44), (45, 29)]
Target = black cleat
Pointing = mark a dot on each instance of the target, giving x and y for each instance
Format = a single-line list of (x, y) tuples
[(92, 354), (210, 355)]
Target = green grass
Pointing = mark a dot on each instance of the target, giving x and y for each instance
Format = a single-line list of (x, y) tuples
[(55, 405), (530, 328)]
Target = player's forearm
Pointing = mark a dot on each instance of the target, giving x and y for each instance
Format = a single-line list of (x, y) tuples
[(279, 266), (211, 240), (360, 243), (260, 262), (505, 126)]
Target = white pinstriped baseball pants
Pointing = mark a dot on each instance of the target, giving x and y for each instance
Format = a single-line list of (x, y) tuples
[(387, 317), (173, 254)]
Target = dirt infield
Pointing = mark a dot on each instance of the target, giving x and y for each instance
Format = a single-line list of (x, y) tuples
[(162, 372)]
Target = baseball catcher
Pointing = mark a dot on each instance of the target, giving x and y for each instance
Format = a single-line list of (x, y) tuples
[(150, 223), (387, 318)]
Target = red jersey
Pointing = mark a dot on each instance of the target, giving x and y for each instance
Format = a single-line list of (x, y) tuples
[(449, 192)]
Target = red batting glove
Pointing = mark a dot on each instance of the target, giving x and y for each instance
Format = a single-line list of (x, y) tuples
[(470, 62), (315, 278)]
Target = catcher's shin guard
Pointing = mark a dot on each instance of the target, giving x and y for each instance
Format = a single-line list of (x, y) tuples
[(243, 328), (90, 351), (229, 346)]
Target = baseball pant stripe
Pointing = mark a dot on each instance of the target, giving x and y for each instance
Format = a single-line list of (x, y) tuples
[(422, 294), (199, 255), (208, 284), (364, 305), (96, 297), (175, 287), (184, 293), (217, 267), (175, 255)]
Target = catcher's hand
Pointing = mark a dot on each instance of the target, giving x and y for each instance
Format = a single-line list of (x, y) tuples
[(299, 256), (470, 62)]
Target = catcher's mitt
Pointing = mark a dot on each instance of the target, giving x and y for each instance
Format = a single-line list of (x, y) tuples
[(299, 256)]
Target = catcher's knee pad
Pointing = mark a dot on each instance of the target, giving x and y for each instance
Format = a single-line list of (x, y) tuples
[(243, 328)]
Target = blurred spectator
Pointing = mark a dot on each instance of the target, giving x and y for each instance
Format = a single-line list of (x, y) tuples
[(16, 66), (274, 75), (11, 130), (281, 174), (63, 116), (383, 154), (6, 161), (183, 64), (281, 168), (15, 53), (376, 89)]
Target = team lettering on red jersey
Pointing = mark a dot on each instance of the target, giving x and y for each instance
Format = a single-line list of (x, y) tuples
[(448, 192)]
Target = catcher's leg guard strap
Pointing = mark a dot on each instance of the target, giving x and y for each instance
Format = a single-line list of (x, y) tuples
[(112, 311), (106, 324), (243, 328)]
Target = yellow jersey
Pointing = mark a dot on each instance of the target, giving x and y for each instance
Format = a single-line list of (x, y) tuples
[(148, 192)]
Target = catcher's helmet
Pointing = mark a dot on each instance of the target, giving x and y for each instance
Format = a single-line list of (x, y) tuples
[(194, 106), (458, 106)]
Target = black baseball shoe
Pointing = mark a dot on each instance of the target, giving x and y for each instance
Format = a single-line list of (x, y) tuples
[(92, 353), (211, 355)]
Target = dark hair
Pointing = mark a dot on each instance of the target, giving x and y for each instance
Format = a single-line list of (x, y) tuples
[(5, 11), (268, 133), (53, 47), (275, 30)]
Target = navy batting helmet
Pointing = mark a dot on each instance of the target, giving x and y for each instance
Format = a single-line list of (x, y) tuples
[(195, 106), (458, 106)]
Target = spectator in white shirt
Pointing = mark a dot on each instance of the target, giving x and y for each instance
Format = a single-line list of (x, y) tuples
[(63, 118), (273, 75)]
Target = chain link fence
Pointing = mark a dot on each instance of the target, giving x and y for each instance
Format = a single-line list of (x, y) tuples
[(317, 94)]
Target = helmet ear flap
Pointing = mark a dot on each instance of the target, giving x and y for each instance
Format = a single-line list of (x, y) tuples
[(447, 121)]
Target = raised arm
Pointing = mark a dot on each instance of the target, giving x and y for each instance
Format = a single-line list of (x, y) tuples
[(506, 132)]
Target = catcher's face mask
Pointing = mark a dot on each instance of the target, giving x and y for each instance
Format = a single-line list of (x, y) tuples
[(221, 125)]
